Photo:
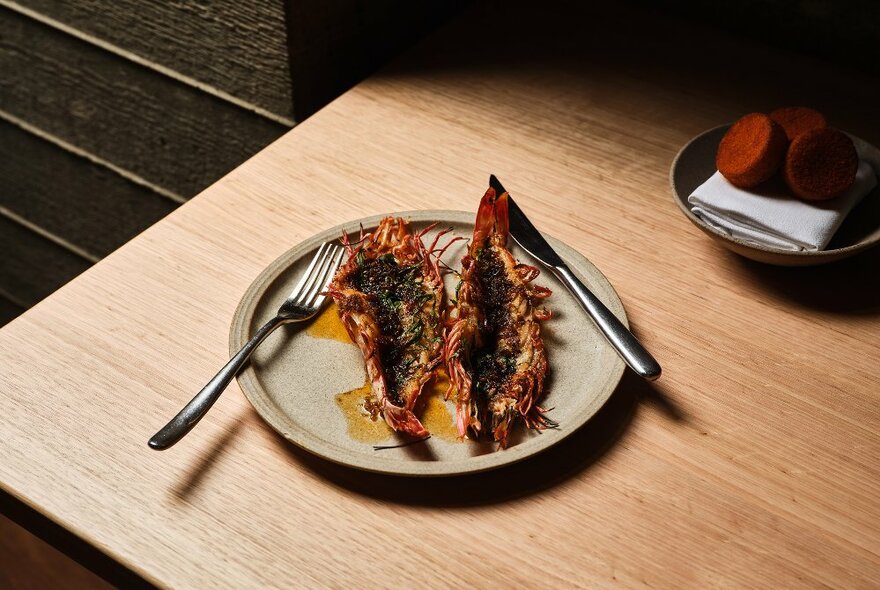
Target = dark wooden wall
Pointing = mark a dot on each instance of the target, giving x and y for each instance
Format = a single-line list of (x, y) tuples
[(113, 112)]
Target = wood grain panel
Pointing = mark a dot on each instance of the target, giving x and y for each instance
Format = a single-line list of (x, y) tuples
[(31, 266), (750, 464), (27, 563), (238, 47), (166, 132), (88, 205)]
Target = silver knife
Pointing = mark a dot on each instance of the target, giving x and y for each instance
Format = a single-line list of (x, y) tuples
[(531, 240)]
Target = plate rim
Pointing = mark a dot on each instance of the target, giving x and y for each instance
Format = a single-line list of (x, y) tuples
[(804, 255), (250, 385)]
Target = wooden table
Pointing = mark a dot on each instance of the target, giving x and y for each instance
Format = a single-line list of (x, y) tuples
[(751, 463)]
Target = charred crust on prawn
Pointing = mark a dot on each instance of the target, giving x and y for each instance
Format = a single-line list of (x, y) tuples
[(493, 349), (390, 298)]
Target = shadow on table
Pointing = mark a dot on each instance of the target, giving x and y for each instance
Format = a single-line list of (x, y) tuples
[(496, 47), (847, 287), (192, 480), (569, 458)]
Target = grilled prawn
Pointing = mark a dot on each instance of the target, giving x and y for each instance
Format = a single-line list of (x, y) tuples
[(493, 349), (389, 295)]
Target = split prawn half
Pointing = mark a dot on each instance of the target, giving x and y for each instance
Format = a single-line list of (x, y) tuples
[(493, 349), (389, 294)]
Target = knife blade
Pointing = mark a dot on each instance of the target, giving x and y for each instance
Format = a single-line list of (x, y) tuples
[(530, 239), (527, 235)]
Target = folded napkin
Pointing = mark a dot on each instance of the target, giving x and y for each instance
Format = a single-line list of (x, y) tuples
[(771, 216)]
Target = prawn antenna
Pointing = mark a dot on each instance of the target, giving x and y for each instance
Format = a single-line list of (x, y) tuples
[(403, 444)]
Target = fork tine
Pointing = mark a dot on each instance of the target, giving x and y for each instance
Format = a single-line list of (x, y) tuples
[(318, 294), (321, 280), (297, 291), (316, 275)]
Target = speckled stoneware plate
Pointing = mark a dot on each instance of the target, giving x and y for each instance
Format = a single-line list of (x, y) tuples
[(308, 381), (695, 163)]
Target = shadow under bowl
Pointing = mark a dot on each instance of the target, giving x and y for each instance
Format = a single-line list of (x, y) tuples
[(695, 163)]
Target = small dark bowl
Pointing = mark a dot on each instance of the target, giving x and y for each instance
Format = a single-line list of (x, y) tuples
[(695, 163)]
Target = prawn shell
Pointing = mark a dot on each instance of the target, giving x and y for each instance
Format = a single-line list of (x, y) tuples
[(473, 325), (359, 315)]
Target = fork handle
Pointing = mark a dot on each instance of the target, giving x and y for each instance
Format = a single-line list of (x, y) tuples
[(198, 406)]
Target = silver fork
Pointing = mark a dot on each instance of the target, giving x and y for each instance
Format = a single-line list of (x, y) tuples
[(302, 304)]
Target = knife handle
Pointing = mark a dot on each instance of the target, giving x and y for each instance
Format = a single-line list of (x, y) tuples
[(626, 345)]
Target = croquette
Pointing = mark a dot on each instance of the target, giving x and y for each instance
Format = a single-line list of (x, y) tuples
[(751, 151), (820, 164), (798, 120)]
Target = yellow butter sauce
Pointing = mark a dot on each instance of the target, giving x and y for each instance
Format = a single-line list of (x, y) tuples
[(364, 423), (328, 325), (362, 426), (436, 417)]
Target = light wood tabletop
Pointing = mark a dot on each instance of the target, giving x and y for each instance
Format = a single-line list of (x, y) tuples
[(751, 463)]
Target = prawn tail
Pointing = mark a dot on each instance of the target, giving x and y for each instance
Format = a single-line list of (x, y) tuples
[(403, 420), (503, 419)]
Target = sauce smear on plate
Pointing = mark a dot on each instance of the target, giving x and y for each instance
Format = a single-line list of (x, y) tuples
[(355, 404), (328, 325)]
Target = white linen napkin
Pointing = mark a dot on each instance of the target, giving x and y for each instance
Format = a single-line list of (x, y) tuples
[(773, 217)]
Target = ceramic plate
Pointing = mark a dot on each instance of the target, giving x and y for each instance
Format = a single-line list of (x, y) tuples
[(308, 381), (860, 230)]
